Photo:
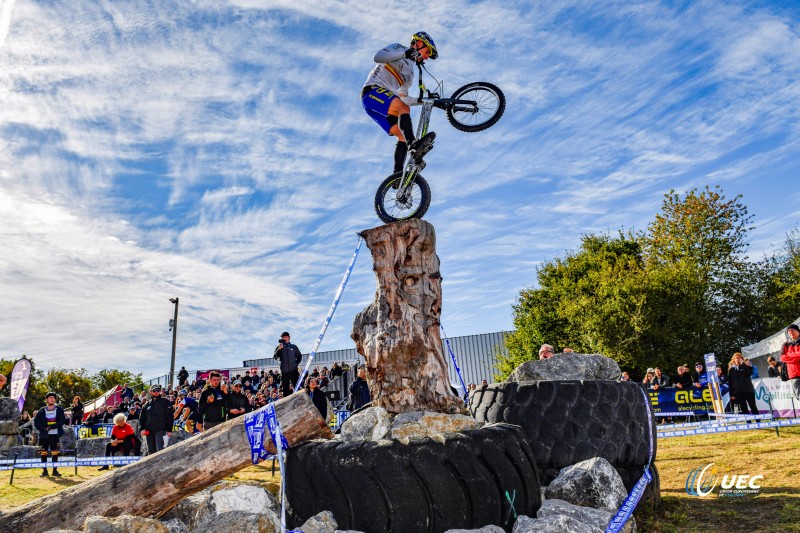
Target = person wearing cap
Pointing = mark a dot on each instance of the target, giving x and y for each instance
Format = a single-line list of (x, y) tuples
[(790, 356), (237, 403), (701, 378), (50, 420), (156, 420), (186, 407), (290, 357)]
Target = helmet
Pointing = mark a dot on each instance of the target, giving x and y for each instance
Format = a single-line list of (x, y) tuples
[(425, 38)]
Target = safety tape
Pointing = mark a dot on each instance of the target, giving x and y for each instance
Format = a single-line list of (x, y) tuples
[(665, 427), (455, 363), (679, 413), (713, 428), (328, 318), (632, 500), (23, 464), (740, 416)]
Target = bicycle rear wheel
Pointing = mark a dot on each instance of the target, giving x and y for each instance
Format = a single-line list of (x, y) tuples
[(413, 203), (489, 104)]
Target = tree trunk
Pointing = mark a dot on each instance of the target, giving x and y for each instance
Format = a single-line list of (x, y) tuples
[(150, 486), (398, 333)]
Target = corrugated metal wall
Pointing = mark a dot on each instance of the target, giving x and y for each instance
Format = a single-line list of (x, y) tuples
[(476, 356)]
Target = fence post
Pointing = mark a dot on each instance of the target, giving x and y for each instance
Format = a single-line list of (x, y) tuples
[(11, 481)]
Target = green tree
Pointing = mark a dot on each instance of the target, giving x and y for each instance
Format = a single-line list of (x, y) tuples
[(780, 284), (68, 383), (108, 378)]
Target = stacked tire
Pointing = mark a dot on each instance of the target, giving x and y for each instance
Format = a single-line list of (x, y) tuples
[(566, 422), (456, 480)]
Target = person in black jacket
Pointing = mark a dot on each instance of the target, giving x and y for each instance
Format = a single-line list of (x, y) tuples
[(318, 398), (359, 390), (684, 379), (741, 384), (290, 357), (50, 420), (155, 420), (183, 376), (77, 411), (212, 402), (237, 403)]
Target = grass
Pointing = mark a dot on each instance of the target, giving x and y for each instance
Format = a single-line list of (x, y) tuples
[(775, 509)]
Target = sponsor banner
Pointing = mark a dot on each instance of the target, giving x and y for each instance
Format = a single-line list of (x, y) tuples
[(20, 378), (776, 396), (92, 430), (203, 374), (674, 400)]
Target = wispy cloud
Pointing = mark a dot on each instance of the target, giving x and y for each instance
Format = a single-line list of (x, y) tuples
[(218, 152)]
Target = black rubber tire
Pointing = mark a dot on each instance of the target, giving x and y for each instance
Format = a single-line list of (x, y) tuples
[(385, 193), (455, 480), (491, 105), (570, 421)]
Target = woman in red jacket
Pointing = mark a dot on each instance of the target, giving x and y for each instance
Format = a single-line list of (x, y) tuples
[(790, 356), (122, 438)]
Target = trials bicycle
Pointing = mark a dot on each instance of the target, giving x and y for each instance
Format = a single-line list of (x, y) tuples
[(474, 107)]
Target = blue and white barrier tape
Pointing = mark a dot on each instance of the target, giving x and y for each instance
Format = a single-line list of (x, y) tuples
[(328, 318), (679, 413), (455, 363), (626, 510), (23, 464), (713, 428), (665, 427), (740, 416)]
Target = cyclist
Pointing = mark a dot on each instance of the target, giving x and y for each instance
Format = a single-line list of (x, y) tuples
[(385, 95)]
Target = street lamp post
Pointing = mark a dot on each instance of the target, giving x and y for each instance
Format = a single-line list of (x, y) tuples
[(173, 326)]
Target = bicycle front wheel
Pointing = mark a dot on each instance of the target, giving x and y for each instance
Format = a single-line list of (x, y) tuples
[(482, 106), (392, 205)]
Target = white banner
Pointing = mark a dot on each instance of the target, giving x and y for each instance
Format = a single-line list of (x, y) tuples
[(777, 396)]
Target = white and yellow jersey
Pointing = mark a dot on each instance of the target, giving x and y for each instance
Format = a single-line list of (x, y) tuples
[(394, 72)]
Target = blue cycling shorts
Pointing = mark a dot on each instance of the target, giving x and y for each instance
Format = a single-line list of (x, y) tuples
[(376, 100)]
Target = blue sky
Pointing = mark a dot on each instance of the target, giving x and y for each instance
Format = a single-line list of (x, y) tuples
[(217, 151)]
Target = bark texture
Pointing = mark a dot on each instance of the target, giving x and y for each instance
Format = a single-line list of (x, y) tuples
[(398, 333), (150, 486)]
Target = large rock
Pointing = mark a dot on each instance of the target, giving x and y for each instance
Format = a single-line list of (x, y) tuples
[(9, 427), (176, 525), (240, 521), (373, 424), (568, 366), (323, 522), (7, 442), (591, 483), (24, 452), (93, 447), (204, 509), (598, 519), (123, 524), (68, 442), (428, 424), (9, 409), (551, 524)]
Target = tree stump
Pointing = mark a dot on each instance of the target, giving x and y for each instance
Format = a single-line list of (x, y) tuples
[(150, 486), (398, 333)]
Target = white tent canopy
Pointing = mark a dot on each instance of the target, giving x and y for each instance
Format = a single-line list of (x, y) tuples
[(769, 346)]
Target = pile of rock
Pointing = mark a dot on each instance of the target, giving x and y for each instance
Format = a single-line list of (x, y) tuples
[(9, 426), (375, 423), (568, 366)]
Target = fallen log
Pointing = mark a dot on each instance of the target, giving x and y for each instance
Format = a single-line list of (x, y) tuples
[(152, 485), (398, 333)]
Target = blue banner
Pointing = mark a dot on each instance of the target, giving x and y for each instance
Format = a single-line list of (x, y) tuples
[(674, 400)]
